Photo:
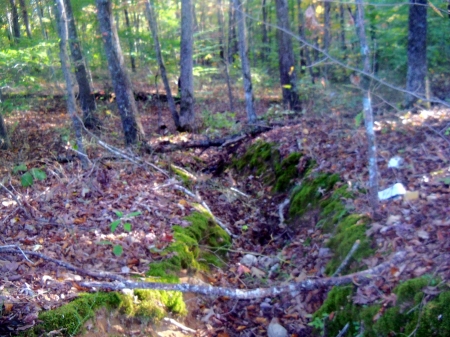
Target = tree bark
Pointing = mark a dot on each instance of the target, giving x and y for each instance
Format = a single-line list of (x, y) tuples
[(417, 51), (368, 113), (151, 18), (71, 105), (327, 33), (265, 38), (238, 10), (131, 124), (288, 77), (187, 117), (5, 143), (223, 53), (342, 24), (130, 41), (87, 100), (15, 21), (305, 58), (26, 21), (232, 40)]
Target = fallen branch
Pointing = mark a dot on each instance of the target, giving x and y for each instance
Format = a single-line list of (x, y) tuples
[(347, 258), (292, 288)]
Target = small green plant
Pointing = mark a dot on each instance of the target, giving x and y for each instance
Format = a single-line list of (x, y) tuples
[(319, 323), (215, 122), (122, 219), (29, 176)]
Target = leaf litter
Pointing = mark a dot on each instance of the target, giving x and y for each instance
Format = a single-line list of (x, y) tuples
[(68, 216)]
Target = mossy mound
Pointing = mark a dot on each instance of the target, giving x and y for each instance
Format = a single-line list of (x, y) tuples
[(350, 229), (307, 196), (415, 312), (195, 248), (264, 160), (143, 304)]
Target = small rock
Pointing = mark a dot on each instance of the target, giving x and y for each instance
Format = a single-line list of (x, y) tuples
[(266, 261), (249, 260), (275, 329), (324, 252)]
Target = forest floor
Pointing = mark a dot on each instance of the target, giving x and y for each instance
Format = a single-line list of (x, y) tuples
[(66, 215)]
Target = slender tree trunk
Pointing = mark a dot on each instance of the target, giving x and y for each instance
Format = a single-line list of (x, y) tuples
[(251, 115), (342, 24), (26, 21), (131, 124), (187, 117), (417, 51), (71, 105), (368, 113), (232, 40), (41, 21), (5, 143), (151, 18), (288, 77), (130, 41), (327, 33), (305, 58), (223, 50), (15, 20), (265, 39), (87, 100)]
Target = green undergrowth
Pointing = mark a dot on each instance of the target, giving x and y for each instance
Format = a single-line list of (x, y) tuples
[(422, 309), (264, 160), (195, 247)]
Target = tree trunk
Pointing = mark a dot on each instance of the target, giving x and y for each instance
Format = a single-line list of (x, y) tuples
[(187, 117), (327, 33), (222, 55), (131, 124), (232, 41), (342, 24), (15, 21), (26, 21), (151, 18), (251, 115), (368, 113), (71, 105), (87, 100), (417, 51), (5, 143), (265, 38), (288, 77), (305, 58), (130, 41)]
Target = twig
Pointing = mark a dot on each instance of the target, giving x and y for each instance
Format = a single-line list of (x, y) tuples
[(13, 249), (281, 208), (16, 200), (347, 258), (181, 326), (343, 331)]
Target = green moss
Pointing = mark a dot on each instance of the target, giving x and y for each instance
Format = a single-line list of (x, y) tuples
[(286, 171), (73, 315), (353, 227), (264, 160), (185, 252), (186, 177), (411, 315), (153, 304), (339, 303), (308, 194)]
